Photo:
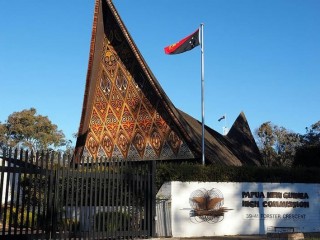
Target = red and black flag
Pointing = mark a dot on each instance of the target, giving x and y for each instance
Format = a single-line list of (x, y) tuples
[(184, 45)]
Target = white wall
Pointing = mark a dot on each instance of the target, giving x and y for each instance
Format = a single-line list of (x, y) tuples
[(251, 208)]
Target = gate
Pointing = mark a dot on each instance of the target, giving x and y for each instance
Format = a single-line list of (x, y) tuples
[(47, 196)]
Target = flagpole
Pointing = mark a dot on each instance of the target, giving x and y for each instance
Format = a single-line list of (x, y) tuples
[(225, 125), (202, 90)]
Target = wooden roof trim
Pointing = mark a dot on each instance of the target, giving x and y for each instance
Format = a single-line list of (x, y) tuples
[(90, 63)]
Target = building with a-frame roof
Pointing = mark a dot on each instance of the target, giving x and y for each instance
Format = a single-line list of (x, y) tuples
[(127, 115)]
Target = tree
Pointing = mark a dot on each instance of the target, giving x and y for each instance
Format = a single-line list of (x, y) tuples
[(286, 144), (312, 136), (307, 156), (26, 129), (266, 141), (309, 153), (2, 134), (277, 144)]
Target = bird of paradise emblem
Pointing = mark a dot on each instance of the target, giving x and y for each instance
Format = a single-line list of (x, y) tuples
[(207, 206)]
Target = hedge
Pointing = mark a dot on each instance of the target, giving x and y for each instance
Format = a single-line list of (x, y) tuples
[(188, 172)]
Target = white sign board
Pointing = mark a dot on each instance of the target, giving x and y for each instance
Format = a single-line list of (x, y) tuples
[(216, 209)]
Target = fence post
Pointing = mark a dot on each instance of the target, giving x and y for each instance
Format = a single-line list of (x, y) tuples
[(152, 179)]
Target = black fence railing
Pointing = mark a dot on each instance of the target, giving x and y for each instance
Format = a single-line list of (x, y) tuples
[(47, 196)]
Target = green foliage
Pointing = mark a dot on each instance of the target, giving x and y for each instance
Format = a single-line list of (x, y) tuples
[(312, 136), (308, 156), (280, 147), (309, 153), (277, 145), (72, 224), (22, 218), (112, 221), (188, 172), (3, 138), (29, 130)]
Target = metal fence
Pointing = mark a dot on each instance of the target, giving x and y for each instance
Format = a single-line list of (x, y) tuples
[(163, 219), (47, 196)]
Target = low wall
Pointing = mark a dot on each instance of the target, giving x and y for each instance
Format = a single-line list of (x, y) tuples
[(217, 209)]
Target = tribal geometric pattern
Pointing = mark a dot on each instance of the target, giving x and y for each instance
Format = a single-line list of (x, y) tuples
[(128, 120)]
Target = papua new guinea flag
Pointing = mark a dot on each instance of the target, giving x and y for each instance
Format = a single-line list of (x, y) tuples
[(184, 45)]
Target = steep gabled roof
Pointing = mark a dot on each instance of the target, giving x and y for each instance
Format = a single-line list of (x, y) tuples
[(244, 145), (127, 115)]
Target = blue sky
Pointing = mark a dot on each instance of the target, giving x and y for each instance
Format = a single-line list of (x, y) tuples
[(261, 57)]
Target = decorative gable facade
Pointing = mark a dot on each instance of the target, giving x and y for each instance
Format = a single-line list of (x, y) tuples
[(126, 114)]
